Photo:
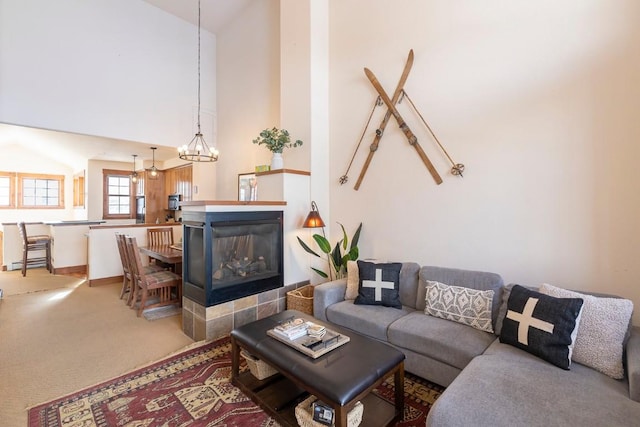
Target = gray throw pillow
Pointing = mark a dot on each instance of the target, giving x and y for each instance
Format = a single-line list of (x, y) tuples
[(502, 310)]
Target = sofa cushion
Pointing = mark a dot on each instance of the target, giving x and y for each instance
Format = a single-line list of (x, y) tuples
[(603, 327), (479, 280), (509, 387), (443, 340), (371, 320), (409, 284), (459, 304), (542, 325), (379, 284), (502, 310)]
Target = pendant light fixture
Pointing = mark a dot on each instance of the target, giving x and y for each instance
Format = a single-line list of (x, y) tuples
[(153, 170), (134, 174), (198, 150)]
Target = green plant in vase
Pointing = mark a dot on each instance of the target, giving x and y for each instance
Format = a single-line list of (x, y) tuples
[(336, 259), (276, 140)]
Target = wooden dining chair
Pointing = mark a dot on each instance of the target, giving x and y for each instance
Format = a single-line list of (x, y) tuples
[(32, 243), (165, 284), (160, 236), (126, 270)]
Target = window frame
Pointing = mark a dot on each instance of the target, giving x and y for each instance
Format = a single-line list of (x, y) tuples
[(78, 190), (39, 176), (12, 189), (106, 173)]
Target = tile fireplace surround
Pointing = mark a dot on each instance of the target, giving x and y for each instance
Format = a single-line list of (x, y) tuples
[(208, 323)]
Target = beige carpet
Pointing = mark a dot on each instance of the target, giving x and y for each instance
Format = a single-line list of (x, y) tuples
[(36, 280), (58, 335)]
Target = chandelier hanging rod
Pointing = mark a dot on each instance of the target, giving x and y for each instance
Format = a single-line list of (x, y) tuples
[(198, 150)]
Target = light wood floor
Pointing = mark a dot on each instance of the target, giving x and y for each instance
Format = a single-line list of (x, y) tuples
[(58, 335)]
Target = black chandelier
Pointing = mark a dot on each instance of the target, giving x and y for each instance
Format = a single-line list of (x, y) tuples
[(197, 150)]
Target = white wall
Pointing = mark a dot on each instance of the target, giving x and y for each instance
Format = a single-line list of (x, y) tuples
[(296, 84), (248, 92), (116, 68), (538, 99), (17, 158)]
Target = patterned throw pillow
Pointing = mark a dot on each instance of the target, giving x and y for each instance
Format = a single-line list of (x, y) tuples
[(603, 328), (463, 305), (542, 325), (379, 284)]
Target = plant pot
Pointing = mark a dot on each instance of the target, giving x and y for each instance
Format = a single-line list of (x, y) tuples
[(276, 161)]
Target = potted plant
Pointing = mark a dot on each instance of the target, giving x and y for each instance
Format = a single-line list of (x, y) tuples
[(336, 260), (276, 140)]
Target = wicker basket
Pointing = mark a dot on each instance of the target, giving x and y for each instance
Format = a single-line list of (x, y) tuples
[(304, 414), (258, 368), (301, 299)]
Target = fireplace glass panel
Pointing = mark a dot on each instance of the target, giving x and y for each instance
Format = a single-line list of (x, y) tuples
[(193, 240), (244, 252)]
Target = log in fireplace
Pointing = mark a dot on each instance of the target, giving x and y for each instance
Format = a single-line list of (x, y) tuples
[(230, 255)]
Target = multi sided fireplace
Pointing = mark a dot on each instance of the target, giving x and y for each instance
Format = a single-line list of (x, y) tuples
[(230, 255)]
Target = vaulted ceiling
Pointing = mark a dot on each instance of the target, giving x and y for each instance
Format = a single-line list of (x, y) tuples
[(73, 148)]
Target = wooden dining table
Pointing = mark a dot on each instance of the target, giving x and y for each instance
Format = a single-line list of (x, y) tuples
[(165, 254)]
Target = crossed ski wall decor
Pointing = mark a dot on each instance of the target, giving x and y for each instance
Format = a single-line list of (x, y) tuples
[(398, 95)]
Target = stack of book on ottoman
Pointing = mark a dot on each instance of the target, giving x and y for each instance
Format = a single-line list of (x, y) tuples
[(292, 329), (310, 338)]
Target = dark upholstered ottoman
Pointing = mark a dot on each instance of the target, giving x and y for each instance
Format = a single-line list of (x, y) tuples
[(339, 378)]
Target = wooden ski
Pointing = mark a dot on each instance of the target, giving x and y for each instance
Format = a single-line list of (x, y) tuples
[(403, 126), (380, 131)]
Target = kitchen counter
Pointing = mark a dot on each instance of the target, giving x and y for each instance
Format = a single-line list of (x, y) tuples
[(58, 223), (74, 222)]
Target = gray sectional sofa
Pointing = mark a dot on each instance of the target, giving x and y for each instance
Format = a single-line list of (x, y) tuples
[(488, 383)]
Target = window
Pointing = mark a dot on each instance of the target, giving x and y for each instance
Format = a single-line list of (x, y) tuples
[(117, 194), (40, 191), (7, 190), (78, 190)]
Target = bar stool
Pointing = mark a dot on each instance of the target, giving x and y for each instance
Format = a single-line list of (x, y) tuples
[(40, 242)]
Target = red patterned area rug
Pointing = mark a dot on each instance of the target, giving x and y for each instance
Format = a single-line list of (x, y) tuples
[(191, 389)]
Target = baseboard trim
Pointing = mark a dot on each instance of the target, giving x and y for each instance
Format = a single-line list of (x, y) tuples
[(105, 281), (76, 269)]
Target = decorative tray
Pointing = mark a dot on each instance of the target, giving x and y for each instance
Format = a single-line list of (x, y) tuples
[(312, 346)]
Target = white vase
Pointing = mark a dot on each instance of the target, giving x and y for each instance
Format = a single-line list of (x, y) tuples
[(276, 161)]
